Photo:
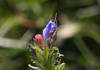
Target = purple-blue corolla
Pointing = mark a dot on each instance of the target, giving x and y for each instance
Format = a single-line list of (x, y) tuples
[(50, 28)]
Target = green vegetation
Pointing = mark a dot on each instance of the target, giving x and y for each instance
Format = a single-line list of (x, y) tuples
[(81, 50)]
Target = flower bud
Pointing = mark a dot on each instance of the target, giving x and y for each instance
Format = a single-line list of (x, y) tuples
[(38, 39)]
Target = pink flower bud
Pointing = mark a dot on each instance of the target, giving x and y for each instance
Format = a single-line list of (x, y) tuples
[(38, 39)]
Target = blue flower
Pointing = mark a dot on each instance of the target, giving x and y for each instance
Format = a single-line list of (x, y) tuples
[(50, 28)]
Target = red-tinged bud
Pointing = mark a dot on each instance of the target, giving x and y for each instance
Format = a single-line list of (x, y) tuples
[(38, 39)]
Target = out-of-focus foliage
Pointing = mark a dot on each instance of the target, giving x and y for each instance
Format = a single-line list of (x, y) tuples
[(12, 59)]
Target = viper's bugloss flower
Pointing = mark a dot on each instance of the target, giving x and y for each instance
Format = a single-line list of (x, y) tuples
[(38, 39), (50, 28)]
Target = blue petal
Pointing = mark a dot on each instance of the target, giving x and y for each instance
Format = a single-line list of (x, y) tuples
[(50, 27)]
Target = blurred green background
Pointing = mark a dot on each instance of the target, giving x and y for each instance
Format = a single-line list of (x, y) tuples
[(20, 20)]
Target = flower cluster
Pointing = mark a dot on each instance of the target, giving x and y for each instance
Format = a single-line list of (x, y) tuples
[(48, 34), (44, 56)]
